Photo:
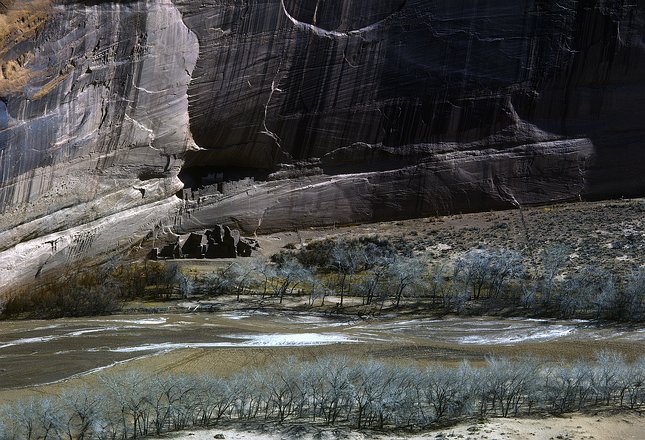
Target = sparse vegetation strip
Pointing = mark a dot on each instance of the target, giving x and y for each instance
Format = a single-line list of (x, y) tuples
[(365, 276), (371, 274)]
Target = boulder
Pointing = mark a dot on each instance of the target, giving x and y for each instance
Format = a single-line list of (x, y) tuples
[(195, 246), (244, 249)]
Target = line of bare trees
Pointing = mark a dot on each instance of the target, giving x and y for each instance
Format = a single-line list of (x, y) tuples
[(368, 272), (330, 391), (477, 281)]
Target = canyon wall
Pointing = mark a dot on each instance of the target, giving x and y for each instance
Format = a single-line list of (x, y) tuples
[(94, 112), (326, 111)]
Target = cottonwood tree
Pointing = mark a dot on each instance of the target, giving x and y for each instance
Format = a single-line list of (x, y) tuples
[(329, 384), (506, 385), (566, 388), (242, 278), (487, 269), (289, 274), (365, 395), (473, 270), (405, 274), (284, 389), (446, 390), (50, 418), (19, 419), (219, 282), (317, 289), (130, 395), (248, 390), (83, 407), (634, 307), (607, 300), (507, 265), (632, 386), (214, 400), (186, 285), (607, 376), (265, 271), (553, 259), (168, 396), (581, 290), (346, 261), (437, 281), (369, 384), (35, 418), (373, 282), (399, 400)]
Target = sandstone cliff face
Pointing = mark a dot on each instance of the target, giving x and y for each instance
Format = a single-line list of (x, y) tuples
[(91, 121), (414, 107), (339, 110)]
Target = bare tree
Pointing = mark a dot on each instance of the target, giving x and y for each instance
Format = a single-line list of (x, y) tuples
[(583, 291), (214, 400), (507, 385), (473, 270), (241, 276), (606, 377), (219, 282), (634, 301), (369, 382), (405, 275), (554, 259), (317, 289), (266, 272), (186, 285), (372, 284), (284, 387), (437, 282), (330, 387), (346, 261), (633, 384), (487, 269), (129, 393), (566, 388), (447, 390), (289, 274), (82, 406)]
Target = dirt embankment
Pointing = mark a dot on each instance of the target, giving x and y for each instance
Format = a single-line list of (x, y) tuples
[(572, 427), (609, 234)]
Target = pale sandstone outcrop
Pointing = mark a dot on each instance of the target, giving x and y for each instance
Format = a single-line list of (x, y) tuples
[(88, 146)]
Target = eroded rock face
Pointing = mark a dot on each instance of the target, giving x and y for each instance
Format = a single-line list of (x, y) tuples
[(305, 112), (414, 107), (91, 122)]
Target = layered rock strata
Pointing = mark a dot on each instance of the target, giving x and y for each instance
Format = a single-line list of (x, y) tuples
[(401, 108), (91, 121), (304, 112)]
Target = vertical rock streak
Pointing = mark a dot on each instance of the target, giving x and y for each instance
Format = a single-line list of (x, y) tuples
[(89, 140)]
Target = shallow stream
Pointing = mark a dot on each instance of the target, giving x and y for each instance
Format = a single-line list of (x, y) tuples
[(38, 352)]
